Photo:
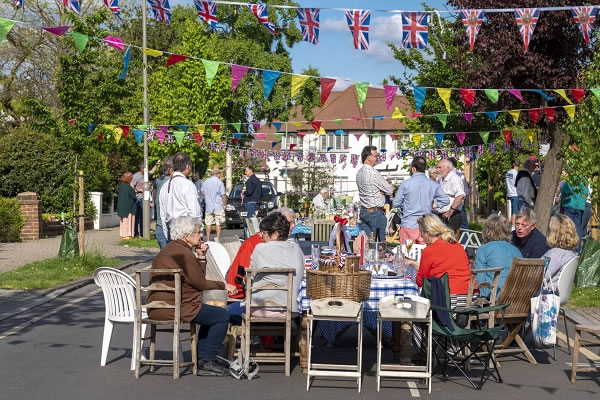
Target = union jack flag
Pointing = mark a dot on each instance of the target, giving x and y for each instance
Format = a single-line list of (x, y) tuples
[(207, 10), (18, 3), (472, 20), (161, 9), (415, 30), (309, 23), (72, 5), (585, 17), (526, 20), (260, 12), (113, 5), (358, 22)]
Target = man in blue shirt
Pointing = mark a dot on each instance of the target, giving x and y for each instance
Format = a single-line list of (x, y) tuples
[(415, 196)]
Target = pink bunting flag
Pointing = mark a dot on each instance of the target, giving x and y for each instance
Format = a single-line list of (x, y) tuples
[(197, 137), (261, 136), (175, 58), (517, 94), (461, 137), (468, 96), (316, 125), (327, 85), (57, 30), (468, 117), (162, 132), (507, 136), (534, 113), (302, 134), (578, 94), (354, 117), (256, 125), (115, 42), (237, 73), (550, 113), (357, 136), (390, 92)]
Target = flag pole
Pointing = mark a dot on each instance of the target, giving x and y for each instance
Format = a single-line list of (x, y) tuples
[(146, 201)]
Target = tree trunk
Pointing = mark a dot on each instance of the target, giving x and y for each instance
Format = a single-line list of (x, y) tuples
[(550, 177)]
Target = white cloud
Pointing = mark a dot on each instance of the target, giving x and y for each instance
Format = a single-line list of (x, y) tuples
[(334, 25), (342, 83)]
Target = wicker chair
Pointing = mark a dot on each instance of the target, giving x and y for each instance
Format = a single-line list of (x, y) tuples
[(523, 280)]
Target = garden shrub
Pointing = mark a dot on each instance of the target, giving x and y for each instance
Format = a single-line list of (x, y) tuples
[(11, 220)]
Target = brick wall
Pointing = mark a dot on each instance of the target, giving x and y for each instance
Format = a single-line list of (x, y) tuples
[(31, 209)]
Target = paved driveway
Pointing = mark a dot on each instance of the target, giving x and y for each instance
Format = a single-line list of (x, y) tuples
[(53, 352)]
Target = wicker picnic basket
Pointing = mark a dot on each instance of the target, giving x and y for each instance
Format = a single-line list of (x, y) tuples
[(338, 281)]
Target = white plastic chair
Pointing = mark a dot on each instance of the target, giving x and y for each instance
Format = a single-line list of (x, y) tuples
[(415, 251), (118, 289), (565, 284), (221, 257)]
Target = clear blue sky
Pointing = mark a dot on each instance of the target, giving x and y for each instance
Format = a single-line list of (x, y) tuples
[(335, 55)]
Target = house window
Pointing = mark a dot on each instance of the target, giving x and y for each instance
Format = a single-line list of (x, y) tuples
[(291, 139), (336, 142)]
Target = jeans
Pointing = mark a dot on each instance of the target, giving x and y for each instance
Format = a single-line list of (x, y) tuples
[(213, 323), (577, 218), (464, 223), (251, 207), (587, 215), (236, 310), (139, 212), (514, 204), (523, 203), (373, 222), (161, 238)]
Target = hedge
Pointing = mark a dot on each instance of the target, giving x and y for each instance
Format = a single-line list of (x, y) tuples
[(11, 220)]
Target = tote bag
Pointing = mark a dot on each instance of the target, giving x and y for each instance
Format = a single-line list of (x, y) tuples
[(544, 315)]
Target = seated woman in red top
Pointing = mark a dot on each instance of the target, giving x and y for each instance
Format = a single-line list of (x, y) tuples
[(443, 254)]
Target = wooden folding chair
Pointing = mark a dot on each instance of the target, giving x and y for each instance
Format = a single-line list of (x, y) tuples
[(321, 230), (493, 286), (523, 280)]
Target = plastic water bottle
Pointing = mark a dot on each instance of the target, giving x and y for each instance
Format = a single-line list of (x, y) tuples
[(399, 266)]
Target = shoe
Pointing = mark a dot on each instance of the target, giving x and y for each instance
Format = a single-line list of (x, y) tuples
[(212, 368)]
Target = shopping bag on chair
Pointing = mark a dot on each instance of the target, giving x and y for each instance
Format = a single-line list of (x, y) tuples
[(544, 316)]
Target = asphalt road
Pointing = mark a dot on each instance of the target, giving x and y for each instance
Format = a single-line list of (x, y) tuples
[(53, 352)]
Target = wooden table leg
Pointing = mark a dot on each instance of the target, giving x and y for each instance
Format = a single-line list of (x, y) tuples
[(304, 344)]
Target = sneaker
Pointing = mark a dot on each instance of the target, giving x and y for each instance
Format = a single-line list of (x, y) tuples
[(212, 368)]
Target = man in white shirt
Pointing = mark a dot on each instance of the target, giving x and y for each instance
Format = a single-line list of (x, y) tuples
[(453, 186), (213, 192), (179, 196), (319, 200), (511, 190)]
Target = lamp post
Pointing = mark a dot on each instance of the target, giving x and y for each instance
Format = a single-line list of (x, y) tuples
[(146, 201)]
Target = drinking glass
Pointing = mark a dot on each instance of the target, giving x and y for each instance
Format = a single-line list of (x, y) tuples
[(315, 252)]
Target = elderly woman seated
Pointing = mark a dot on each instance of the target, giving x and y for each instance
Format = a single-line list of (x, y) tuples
[(495, 252), (563, 239), (442, 255), (275, 252), (187, 252)]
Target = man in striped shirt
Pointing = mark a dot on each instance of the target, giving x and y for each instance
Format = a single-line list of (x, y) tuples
[(372, 189)]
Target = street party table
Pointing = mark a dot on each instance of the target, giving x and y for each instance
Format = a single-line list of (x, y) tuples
[(301, 229), (379, 289)]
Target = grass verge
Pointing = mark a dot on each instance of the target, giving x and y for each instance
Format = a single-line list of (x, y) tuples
[(140, 242), (585, 297), (54, 271)]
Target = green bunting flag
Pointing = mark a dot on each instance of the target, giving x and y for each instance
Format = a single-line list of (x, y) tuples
[(210, 67), (492, 94), (596, 92), (338, 121), (279, 136), (237, 126), (443, 118), (179, 137), (80, 40), (484, 136), (144, 127), (5, 27), (361, 92)]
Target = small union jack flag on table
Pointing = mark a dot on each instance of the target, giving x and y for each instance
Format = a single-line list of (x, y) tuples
[(260, 12), (415, 30), (113, 5), (161, 9), (18, 3), (309, 23), (72, 5), (472, 20), (526, 20), (207, 10), (585, 17), (358, 22)]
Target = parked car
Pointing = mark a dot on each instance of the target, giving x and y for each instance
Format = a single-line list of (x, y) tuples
[(235, 211)]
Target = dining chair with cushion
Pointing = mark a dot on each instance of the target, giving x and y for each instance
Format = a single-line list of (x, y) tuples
[(118, 289), (221, 257)]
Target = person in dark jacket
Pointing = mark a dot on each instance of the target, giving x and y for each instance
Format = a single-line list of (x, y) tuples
[(186, 251), (252, 192), (126, 206), (526, 237)]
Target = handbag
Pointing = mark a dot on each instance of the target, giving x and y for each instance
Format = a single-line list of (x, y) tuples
[(544, 315)]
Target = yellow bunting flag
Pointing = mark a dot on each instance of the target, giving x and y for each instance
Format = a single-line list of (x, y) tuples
[(563, 94), (417, 139), (445, 96), (570, 110), (530, 134), (217, 136), (110, 127), (153, 53), (297, 82), (397, 114), (515, 115), (298, 124), (118, 132), (200, 129), (321, 131)]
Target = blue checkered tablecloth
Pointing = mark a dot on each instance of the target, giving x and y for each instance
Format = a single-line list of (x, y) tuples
[(379, 289), (301, 229)]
